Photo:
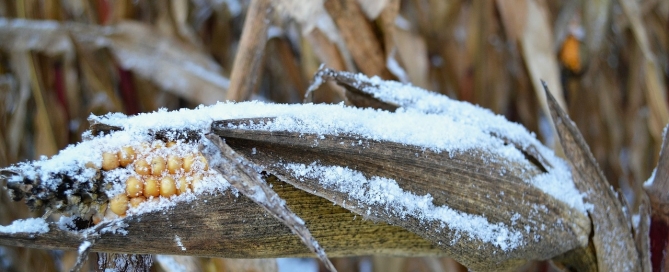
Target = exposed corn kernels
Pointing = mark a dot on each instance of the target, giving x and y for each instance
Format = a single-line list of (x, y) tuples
[(119, 204), (168, 187), (171, 144), (174, 164), (134, 186), (126, 155), (151, 187), (157, 166), (109, 161), (188, 162), (142, 167), (184, 185), (135, 201)]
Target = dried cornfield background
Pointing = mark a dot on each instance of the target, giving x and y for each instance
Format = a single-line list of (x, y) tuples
[(605, 61)]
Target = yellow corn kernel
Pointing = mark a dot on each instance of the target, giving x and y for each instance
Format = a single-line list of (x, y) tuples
[(196, 182), (126, 155), (171, 144), (134, 186), (96, 219), (173, 164), (109, 161), (145, 146), (157, 145), (188, 162), (142, 167), (168, 187), (183, 185), (157, 166), (135, 201), (151, 187), (119, 204), (91, 165), (203, 162)]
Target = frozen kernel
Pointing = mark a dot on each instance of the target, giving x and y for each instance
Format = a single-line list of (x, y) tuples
[(135, 201), (134, 187), (142, 167), (168, 187), (126, 155), (171, 144), (109, 161), (91, 165), (183, 185), (151, 187), (188, 162), (196, 182), (157, 145), (157, 166), (174, 164), (203, 162), (119, 204)]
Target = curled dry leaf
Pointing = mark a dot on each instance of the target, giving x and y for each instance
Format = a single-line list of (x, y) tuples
[(173, 66), (471, 184)]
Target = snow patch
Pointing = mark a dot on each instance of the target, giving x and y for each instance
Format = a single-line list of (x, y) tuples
[(30, 225), (387, 193), (177, 240), (84, 246)]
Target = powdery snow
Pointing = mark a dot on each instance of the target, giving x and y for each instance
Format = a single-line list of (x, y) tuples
[(30, 225), (177, 240), (84, 246), (387, 193)]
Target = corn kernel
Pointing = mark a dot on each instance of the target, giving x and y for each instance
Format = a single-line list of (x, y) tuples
[(171, 144), (135, 201), (173, 164), (119, 204), (168, 187), (126, 155), (151, 187), (142, 167), (188, 162), (196, 182), (157, 166), (91, 165), (109, 161), (203, 162), (157, 145), (134, 186), (183, 185)]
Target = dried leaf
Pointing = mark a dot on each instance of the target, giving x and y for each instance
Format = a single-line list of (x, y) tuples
[(536, 44), (359, 37), (596, 17), (171, 65), (654, 85), (452, 179), (241, 174), (248, 61), (612, 237)]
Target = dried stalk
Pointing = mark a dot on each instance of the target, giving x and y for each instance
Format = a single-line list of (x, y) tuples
[(248, 60)]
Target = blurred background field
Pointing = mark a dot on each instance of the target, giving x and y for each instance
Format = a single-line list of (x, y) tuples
[(607, 62)]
